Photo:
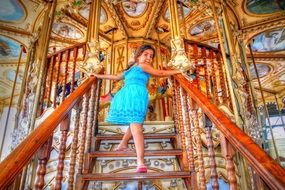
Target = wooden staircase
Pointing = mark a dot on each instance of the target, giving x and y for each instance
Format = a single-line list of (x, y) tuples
[(123, 175), (167, 164)]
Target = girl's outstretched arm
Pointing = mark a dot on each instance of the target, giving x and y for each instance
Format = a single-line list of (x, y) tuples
[(110, 77), (159, 73)]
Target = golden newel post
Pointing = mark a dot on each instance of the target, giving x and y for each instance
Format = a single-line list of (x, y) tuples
[(178, 59), (40, 56), (92, 61)]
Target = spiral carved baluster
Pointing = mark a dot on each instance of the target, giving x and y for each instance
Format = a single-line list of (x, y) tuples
[(189, 147), (56, 80), (222, 78), (64, 127), (180, 125), (175, 115), (207, 81), (197, 137), (75, 54), (73, 149), (43, 156), (214, 78), (211, 154), (90, 117), (228, 154), (83, 132), (67, 57), (197, 72)]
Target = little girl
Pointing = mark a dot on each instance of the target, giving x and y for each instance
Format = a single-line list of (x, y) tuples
[(129, 105)]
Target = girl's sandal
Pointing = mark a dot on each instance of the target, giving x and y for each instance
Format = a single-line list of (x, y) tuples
[(141, 169)]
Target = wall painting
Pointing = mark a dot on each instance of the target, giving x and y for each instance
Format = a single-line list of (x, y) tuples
[(262, 70), (67, 30), (273, 40), (265, 6), (9, 48), (134, 8), (11, 10), (204, 28)]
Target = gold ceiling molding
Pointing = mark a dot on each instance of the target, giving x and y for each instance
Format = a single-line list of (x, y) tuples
[(249, 33), (136, 27), (271, 22), (267, 56), (233, 3), (15, 30), (268, 59), (212, 37), (73, 14), (12, 63), (155, 17), (115, 16), (63, 40)]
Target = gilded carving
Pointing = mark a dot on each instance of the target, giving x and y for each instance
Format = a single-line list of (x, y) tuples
[(92, 62), (179, 59), (116, 17)]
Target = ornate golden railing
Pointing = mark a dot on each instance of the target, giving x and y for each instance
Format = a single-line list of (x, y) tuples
[(38, 143), (189, 105), (194, 111)]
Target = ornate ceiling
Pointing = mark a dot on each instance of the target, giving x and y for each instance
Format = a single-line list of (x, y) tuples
[(260, 20)]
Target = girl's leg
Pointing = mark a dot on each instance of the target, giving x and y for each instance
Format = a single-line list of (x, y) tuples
[(137, 132), (124, 142)]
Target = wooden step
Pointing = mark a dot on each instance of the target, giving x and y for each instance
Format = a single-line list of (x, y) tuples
[(165, 152), (146, 136), (133, 176)]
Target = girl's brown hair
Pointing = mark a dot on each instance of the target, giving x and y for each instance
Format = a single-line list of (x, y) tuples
[(139, 51)]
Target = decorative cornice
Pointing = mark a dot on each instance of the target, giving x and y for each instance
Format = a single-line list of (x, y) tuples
[(64, 40), (267, 57), (73, 14), (115, 16), (14, 29), (271, 22), (155, 18)]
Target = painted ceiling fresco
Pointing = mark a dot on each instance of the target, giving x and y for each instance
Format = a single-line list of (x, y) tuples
[(84, 12), (67, 30), (262, 69), (206, 27), (11, 10), (134, 9), (186, 11), (9, 48), (265, 6), (272, 40)]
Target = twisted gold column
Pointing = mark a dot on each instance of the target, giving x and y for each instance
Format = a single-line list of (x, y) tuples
[(179, 59), (92, 61)]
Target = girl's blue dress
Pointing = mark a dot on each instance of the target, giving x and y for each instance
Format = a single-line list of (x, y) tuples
[(130, 103)]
